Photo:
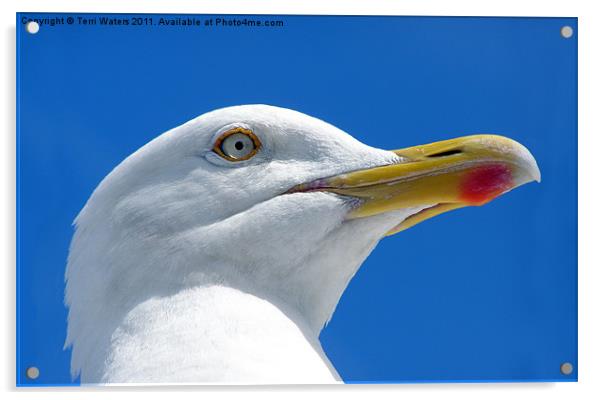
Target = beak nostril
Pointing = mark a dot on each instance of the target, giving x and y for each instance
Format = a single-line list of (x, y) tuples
[(445, 153)]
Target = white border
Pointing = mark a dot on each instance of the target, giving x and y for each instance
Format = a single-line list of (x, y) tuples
[(590, 177)]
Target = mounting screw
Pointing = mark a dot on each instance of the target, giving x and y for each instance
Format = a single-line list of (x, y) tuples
[(32, 372), (566, 368), (32, 27), (566, 31)]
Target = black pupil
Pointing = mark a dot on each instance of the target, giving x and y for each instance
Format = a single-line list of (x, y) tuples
[(239, 145)]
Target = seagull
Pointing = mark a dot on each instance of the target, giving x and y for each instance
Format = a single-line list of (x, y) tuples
[(217, 252)]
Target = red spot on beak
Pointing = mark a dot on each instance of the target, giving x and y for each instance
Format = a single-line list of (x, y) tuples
[(485, 183)]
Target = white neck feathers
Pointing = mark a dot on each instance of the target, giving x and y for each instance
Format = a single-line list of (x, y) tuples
[(213, 334)]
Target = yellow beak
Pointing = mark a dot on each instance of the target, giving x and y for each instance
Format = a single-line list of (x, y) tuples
[(443, 176)]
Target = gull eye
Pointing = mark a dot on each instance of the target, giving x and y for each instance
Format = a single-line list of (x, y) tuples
[(237, 144)]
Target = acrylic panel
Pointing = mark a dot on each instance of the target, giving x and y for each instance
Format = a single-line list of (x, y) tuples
[(245, 246)]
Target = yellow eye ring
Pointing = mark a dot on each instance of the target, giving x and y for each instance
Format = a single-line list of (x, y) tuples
[(237, 144)]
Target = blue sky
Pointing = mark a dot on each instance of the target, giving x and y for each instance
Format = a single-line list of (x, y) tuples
[(482, 293)]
